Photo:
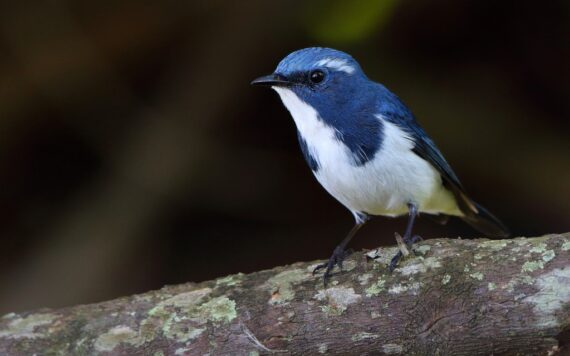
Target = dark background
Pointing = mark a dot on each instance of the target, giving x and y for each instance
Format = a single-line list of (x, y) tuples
[(134, 153)]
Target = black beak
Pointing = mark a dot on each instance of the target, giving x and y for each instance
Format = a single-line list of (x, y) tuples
[(271, 80)]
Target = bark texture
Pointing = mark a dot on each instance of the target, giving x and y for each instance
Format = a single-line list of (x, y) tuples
[(455, 297)]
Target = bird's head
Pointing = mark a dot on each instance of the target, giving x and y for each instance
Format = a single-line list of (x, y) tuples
[(322, 77)]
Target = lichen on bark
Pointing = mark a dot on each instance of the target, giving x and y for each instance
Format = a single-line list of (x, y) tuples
[(452, 297)]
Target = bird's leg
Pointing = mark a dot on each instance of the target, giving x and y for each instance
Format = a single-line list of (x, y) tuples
[(409, 240), (340, 252)]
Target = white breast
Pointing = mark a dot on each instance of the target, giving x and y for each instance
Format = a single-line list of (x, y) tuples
[(384, 185)]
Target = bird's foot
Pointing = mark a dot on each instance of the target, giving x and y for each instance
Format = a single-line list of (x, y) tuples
[(405, 245), (336, 259)]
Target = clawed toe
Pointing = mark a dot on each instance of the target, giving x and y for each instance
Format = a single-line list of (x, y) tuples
[(336, 259), (319, 267), (412, 240), (409, 241), (394, 261)]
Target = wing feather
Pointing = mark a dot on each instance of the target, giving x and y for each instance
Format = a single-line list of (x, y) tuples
[(474, 214)]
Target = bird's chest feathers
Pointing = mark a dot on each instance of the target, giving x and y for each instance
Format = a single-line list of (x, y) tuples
[(390, 177)]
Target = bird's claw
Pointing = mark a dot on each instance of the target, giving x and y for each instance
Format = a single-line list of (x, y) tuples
[(408, 242), (336, 259)]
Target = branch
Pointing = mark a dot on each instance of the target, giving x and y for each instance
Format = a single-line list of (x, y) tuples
[(456, 297)]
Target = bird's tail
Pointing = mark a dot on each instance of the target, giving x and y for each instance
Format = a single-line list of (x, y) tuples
[(482, 220)]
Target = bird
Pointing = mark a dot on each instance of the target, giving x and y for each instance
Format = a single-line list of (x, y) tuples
[(365, 147)]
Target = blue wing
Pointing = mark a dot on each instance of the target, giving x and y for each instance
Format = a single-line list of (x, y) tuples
[(394, 110), (426, 149)]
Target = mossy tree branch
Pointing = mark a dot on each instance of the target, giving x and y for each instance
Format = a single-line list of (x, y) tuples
[(456, 297)]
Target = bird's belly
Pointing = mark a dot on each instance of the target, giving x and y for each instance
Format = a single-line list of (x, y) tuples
[(386, 185)]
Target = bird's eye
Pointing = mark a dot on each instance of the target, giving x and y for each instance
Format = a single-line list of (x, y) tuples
[(316, 76)]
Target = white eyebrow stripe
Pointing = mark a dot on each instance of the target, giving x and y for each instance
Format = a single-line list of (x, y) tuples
[(336, 64)]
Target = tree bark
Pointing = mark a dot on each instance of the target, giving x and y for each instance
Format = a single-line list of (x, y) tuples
[(454, 297)]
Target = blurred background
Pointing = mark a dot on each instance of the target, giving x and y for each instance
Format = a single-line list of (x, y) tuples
[(134, 153)]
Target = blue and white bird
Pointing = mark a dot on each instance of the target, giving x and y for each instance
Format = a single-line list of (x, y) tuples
[(365, 147)]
